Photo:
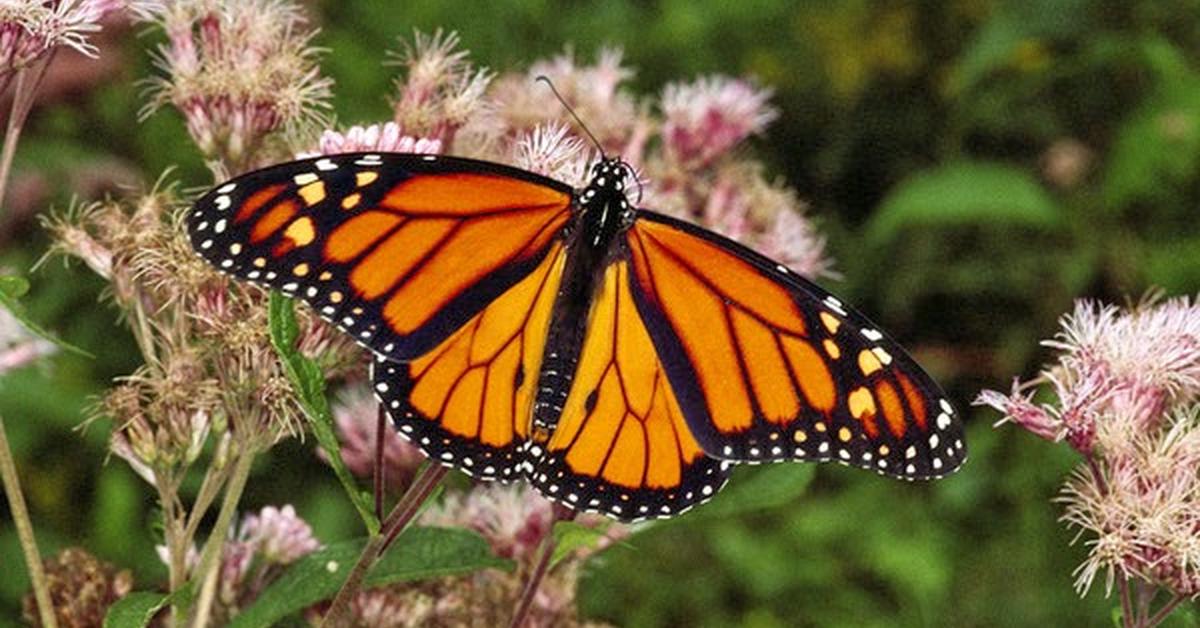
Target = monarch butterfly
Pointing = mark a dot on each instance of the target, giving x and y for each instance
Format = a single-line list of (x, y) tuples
[(618, 359)]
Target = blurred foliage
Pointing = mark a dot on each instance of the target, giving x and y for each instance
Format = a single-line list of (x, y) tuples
[(976, 165)]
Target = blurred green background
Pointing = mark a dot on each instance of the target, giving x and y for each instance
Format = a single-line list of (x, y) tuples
[(976, 166)]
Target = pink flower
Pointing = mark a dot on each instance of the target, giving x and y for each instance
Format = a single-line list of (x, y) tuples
[(386, 138), (710, 116), (550, 150), (513, 518), (1126, 385), (356, 415), (278, 535), (31, 28)]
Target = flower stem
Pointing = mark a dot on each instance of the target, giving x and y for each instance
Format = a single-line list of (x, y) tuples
[(20, 515), (400, 516), (1164, 612), (379, 470), (545, 555), (28, 80), (210, 556), (1127, 617)]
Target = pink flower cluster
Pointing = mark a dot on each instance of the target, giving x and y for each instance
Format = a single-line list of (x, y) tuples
[(238, 70), (1126, 386)]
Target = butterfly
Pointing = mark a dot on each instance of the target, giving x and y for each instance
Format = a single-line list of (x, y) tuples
[(620, 360)]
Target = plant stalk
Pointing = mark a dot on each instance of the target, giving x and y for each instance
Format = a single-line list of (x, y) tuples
[(210, 556), (545, 552), (28, 80), (400, 516), (20, 515)]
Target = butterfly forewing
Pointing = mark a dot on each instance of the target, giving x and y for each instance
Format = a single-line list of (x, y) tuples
[(768, 366), (397, 250)]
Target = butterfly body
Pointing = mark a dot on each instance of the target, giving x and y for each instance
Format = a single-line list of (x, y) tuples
[(619, 360), (599, 216)]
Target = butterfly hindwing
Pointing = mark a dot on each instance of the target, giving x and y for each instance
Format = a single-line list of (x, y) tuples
[(768, 366), (397, 250), (467, 402), (621, 445)]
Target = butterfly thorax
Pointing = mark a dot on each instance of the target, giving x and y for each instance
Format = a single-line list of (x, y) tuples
[(602, 215)]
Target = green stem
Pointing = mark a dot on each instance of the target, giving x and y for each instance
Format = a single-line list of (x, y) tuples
[(20, 515), (210, 556), (400, 516)]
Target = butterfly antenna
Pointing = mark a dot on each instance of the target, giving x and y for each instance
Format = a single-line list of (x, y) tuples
[(545, 79)]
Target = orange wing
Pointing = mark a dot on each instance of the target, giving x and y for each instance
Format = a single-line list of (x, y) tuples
[(397, 250), (768, 366), (467, 402), (621, 445)]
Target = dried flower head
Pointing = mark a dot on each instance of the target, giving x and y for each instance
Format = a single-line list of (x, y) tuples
[(238, 70), (1126, 384), (209, 364), (441, 90), (82, 588)]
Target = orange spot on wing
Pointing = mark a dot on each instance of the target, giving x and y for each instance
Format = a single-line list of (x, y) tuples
[(735, 279), (812, 373), (831, 322), (379, 271), (273, 220), (467, 193), (627, 463), (768, 373), (916, 401), (893, 409), (867, 362), (255, 201), (312, 193), (356, 235), (862, 407)]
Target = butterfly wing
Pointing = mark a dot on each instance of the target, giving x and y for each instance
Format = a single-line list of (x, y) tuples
[(398, 250), (768, 366), (621, 445), (467, 402)]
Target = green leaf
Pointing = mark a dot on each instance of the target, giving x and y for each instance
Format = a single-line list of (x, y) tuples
[(11, 289), (419, 553), (964, 192), (135, 610), (13, 286), (1154, 154), (306, 378), (572, 535), (760, 488)]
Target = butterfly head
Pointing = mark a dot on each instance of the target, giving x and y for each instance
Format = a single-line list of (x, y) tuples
[(610, 177)]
